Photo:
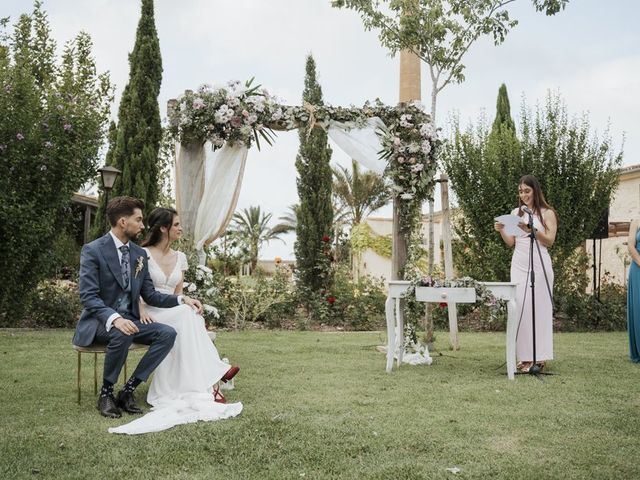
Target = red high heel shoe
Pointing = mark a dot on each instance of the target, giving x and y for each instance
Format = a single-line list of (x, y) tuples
[(230, 374), (217, 396)]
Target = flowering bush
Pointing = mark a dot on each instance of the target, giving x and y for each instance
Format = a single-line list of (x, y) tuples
[(203, 284), (357, 305), (243, 113), (54, 115)]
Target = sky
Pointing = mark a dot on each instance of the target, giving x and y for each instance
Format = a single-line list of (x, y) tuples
[(589, 53)]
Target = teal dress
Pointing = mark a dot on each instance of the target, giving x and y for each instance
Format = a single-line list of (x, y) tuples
[(633, 307)]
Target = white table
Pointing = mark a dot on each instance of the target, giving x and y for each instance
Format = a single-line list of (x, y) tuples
[(395, 321)]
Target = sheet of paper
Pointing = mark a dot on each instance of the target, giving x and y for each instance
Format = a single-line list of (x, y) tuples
[(511, 224)]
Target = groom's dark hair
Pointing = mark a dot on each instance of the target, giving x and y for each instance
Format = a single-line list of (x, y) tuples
[(120, 207)]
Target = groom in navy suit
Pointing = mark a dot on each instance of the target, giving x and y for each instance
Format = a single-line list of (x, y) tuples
[(114, 274)]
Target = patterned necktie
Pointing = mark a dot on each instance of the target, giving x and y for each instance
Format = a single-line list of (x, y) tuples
[(124, 265)]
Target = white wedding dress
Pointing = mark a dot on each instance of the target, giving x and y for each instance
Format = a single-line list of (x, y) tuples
[(182, 385)]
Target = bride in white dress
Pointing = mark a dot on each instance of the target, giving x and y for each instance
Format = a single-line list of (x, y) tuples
[(184, 386)]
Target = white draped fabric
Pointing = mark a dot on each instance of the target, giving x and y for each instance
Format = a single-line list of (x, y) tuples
[(224, 169), (361, 144), (190, 159)]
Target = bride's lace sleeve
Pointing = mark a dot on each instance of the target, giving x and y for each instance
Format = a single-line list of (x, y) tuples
[(184, 264)]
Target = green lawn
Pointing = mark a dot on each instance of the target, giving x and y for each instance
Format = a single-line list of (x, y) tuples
[(320, 405)]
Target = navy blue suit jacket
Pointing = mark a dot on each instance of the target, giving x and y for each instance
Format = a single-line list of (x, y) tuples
[(101, 285)]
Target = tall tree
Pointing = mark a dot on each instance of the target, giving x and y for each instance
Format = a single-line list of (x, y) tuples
[(440, 32), (577, 170), (485, 174), (315, 212), (53, 116), (251, 228), (503, 118), (359, 193), (289, 221), (139, 134)]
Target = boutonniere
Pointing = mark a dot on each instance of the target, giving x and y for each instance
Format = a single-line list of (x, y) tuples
[(139, 266)]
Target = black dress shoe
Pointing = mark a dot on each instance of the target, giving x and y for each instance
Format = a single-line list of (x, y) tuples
[(127, 402), (108, 408)]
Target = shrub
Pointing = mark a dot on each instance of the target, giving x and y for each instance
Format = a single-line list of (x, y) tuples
[(356, 304), (54, 114), (55, 304)]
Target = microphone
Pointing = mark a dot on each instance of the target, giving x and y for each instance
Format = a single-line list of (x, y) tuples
[(526, 209)]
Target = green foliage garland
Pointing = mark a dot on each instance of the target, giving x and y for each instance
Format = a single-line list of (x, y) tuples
[(245, 113)]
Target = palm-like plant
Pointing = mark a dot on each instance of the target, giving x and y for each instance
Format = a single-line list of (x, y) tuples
[(251, 226), (288, 221), (358, 194)]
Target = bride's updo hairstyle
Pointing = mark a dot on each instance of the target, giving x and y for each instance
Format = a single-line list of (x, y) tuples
[(158, 218)]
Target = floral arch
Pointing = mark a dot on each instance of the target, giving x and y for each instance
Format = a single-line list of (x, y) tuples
[(399, 142)]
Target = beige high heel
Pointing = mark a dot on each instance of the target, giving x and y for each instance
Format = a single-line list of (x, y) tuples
[(524, 367)]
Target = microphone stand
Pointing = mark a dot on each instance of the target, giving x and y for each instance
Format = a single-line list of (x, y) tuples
[(535, 369)]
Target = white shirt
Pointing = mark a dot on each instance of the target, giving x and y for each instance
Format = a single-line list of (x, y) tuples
[(119, 244)]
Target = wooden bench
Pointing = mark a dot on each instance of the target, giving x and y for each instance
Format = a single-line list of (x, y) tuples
[(96, 349)]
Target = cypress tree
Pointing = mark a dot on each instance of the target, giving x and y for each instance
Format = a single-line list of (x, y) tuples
[(315, 214), (139, 131), (503, 112)]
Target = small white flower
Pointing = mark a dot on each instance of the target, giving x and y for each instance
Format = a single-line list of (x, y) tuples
[(223, 114), (427, 130), (211, 309), (406, 196), (204, 268), (191, 287)]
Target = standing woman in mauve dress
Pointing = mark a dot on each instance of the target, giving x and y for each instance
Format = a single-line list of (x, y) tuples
[(545, 223), (633, 292)]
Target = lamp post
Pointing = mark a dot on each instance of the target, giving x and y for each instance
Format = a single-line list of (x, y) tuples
[(109, 175)]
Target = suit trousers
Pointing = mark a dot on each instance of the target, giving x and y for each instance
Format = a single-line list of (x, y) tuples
[(159, 337)]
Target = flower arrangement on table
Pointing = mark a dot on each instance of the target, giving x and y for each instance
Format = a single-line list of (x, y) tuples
[(483, 294), (484, 299)]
